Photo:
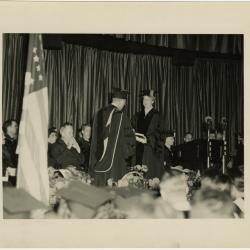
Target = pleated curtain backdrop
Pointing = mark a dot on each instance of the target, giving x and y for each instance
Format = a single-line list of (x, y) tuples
[(80, 80)]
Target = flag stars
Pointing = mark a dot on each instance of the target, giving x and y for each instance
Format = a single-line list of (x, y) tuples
[(40, 77), (36, 59), (34, 50)]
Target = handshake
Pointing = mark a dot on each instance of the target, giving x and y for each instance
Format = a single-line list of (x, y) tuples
[(141, 138), (73, 143)]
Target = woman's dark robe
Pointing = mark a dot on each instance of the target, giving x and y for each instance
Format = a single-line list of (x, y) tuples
[(147, 154)]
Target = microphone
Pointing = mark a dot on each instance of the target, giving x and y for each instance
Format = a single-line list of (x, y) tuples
[(208, 121), (224, 122)]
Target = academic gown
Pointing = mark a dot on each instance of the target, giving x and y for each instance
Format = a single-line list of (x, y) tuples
[(112, 145), (147, 154)]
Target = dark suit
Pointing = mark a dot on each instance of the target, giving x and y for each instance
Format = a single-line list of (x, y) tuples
[(9, 156), (85, 149), (168, 158), (64, 157), (51, 161), (10, 146)]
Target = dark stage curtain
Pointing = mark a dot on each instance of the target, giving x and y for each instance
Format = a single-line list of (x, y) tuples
[(220, 43), (80, 80), (14, 66)]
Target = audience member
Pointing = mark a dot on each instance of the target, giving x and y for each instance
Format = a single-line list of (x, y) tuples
[(10, 129), (7, 163), (52, 137), (188, 137), (66, 151), (84, 143), (213, 178), (237, 191), (168, 154), (81, 201), (174, 189), (211, 203)]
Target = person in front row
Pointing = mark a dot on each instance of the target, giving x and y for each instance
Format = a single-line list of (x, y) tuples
[(84, 143), (66, 151), (168, 154)]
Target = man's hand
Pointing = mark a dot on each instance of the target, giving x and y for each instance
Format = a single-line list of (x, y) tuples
[(75, 145)]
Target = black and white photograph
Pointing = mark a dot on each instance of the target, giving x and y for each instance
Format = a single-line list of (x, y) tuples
[(122, 126)]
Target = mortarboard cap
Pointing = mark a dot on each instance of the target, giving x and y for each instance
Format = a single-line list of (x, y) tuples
[(127, 192), (119, 93), (86, 195), (17, 203), (149, 92), (168, 133), (125, 197)]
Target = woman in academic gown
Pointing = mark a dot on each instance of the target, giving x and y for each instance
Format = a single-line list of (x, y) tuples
[(147, 124)]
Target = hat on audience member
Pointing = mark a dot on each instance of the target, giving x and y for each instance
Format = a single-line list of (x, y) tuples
[(83, 199), (17, 203)]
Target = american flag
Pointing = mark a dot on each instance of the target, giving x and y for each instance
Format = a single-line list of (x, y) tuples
[(32, 173)]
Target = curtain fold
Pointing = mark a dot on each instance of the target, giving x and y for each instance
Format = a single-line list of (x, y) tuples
[(14, 66), (80, 80), (220, 43)]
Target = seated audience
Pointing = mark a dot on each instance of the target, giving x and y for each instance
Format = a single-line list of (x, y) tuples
[(81, 201), (9, 156), (174, 189), (211, 203), (237, 192), (52, 137), (79, 134), (213, 178), (84, 143), (188, 137), (66, 151)]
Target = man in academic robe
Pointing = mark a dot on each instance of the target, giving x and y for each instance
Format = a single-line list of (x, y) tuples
[(113, 141)]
